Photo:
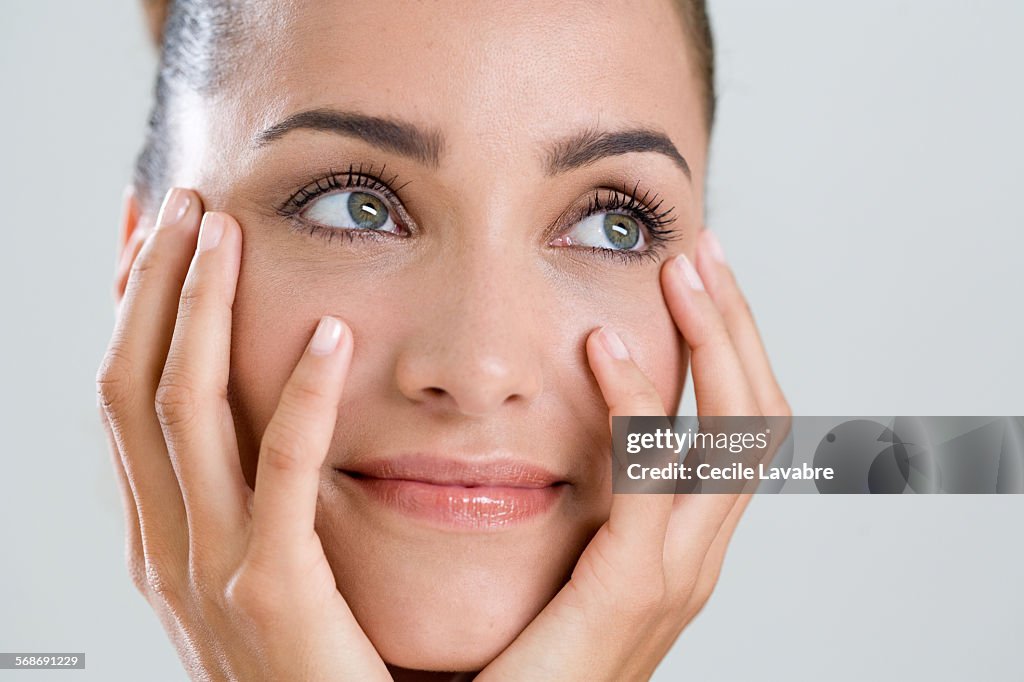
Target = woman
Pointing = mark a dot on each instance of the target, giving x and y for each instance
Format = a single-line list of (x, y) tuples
[(410, 259)]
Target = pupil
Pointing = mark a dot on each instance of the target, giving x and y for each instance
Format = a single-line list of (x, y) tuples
[(367, 211), (622, 231)]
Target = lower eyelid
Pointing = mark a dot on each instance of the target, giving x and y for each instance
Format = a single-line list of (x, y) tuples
[(630, 257), (330, 233)]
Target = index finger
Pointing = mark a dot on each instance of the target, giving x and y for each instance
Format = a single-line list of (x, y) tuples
[(722, 389), (637, 521), (296, 442)]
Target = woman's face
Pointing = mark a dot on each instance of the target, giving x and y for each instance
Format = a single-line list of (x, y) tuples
[(479, 187)]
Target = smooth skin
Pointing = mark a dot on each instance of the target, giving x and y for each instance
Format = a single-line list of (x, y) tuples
[(240, 579), (469, 333)]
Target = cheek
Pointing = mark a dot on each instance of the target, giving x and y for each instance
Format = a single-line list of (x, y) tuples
[(635, 308), (270, 329), (277, 307), (280, 301), (657, 347)]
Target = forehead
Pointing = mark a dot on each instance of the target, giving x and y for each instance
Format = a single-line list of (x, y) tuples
[(487, 75)]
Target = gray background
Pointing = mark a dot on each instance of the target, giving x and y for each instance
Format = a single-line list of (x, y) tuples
[(866, 178)]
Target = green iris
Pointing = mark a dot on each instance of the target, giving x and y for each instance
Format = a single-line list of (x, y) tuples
[(621, 230), (367, 211)]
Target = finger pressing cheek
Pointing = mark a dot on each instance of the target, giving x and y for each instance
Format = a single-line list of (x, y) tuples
[(624, 387), (720, 384)]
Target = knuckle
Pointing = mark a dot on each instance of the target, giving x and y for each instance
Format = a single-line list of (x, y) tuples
[(776, 405), (641, 397), (147, 259), (718, 329), (734, 302), (303, 395), (710, 329), (781, 408), (136, 566), (202, 293), (175, 399), (200, 575), (193, 294), (642, 404), (284, 449), (701, 594), (153, 254), (635, 396), (114, 382), (688, 584), (159, 584), (782, 423), (206, 568), (693, 610)]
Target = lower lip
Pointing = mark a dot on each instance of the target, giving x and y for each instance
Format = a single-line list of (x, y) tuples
[(478, 507)]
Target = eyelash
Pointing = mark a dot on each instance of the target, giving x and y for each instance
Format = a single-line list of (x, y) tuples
[(644, 208), (356, 177)]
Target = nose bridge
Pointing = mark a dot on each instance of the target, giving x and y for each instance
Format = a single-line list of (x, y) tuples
[(475, 349), (487, 284)]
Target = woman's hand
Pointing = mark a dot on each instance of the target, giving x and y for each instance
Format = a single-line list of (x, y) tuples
[(239, 579), (649, 570)]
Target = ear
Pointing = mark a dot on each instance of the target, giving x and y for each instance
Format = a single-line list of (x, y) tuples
[(131, 235)]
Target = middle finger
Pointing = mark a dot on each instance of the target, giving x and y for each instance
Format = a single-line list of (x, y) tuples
[(192, 398)]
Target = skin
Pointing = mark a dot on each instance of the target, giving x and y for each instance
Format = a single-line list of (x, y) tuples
[(472, 333)]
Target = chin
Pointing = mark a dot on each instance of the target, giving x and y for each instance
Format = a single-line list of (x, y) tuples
[(438, 601), (453, 629)]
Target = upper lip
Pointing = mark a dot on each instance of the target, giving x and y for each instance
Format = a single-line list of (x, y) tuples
[(478, 472)]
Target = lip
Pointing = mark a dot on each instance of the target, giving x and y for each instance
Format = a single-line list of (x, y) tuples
[(460, 494)]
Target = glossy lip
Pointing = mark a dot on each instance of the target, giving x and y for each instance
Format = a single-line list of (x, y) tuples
[(459, 494)]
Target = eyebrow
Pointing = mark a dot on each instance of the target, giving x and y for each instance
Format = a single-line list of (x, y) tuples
[(427, 146), (400, 137), (589, 146)]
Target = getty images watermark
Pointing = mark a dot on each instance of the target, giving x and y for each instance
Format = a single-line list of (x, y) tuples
[(893, 455)]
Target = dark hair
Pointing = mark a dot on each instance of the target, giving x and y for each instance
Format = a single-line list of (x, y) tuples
[(187, 31)]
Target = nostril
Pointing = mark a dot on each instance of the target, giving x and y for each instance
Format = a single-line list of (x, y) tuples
[(435, 391)]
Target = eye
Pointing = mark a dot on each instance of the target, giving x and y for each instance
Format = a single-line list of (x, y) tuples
[(607, 230), (351, 211)]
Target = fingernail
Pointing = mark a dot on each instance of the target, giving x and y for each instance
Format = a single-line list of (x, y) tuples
[(210, 231), (714, 246), (689, 274), (326, 337), (175, 206), (613, 344)]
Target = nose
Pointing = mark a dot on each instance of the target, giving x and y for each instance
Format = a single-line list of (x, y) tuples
[(476, 347)]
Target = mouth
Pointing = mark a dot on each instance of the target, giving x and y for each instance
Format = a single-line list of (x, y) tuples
[(458, 494)]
